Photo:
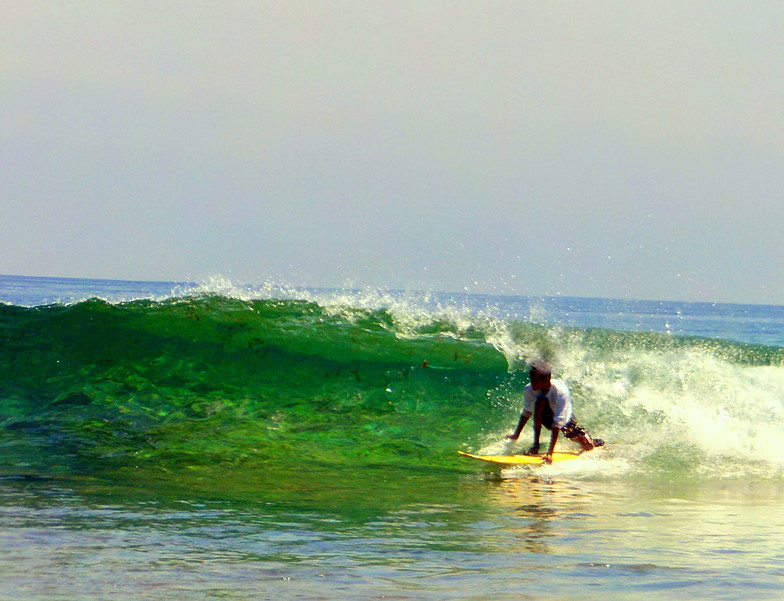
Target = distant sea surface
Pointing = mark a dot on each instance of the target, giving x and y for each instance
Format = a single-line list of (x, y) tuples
[(220, 441)]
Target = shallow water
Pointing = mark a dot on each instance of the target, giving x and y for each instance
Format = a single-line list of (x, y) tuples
[(389, 534)]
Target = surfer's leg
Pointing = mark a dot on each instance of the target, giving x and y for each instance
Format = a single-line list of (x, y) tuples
[(576, 432), (534, 448), (586, 442)]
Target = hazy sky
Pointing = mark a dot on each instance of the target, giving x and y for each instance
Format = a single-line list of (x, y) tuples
[(621, 149)]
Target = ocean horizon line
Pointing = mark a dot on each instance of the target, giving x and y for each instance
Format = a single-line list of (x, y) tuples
[(392, 290)]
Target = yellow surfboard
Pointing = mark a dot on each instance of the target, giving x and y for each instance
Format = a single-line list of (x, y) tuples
[(521, 459)]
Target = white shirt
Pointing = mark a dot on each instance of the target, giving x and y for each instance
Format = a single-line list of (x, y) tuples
[(558, 396)]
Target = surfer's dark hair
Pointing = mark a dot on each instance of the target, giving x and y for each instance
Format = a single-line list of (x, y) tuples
[(541, 369)]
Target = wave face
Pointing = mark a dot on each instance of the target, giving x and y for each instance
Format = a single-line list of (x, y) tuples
[(217, 381)]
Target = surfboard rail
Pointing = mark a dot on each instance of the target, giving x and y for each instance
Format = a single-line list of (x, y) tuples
[(509, 460)]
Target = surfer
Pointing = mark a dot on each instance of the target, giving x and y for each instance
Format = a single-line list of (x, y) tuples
[(550, 402)]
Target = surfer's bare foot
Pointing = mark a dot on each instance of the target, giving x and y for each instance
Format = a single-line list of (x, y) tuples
[(534, 450)]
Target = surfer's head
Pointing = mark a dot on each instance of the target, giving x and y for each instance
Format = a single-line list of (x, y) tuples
[(540, 373)]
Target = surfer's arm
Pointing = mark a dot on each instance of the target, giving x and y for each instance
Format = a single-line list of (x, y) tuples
[(520, 425), (528, 410), (548, 458)]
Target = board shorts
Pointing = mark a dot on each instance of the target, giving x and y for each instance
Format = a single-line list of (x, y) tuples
[(571, 430)]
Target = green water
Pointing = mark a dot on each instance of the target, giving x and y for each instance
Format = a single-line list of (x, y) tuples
[(221, 382), (213, 381)]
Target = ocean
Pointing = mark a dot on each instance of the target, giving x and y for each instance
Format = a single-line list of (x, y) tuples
[(221, 441)]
